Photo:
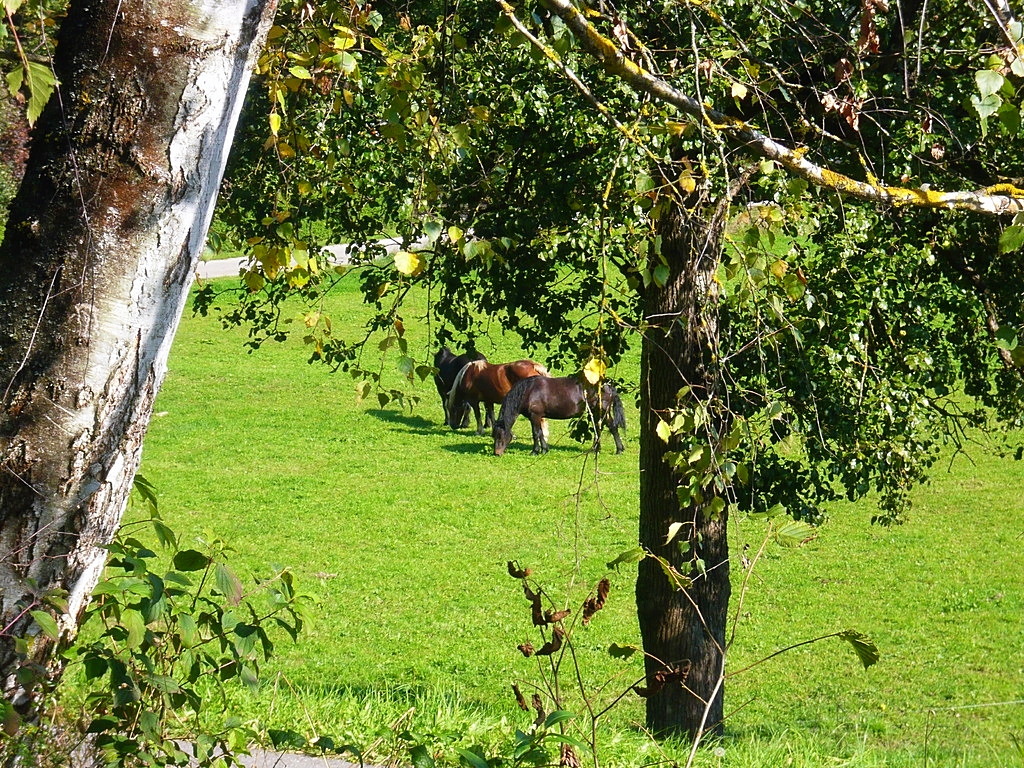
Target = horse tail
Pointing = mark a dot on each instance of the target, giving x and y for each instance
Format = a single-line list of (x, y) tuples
[(618, 413), (512, 403), (453, 392)]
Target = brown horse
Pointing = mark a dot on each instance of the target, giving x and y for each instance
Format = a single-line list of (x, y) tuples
[(488, 383), (563, 398)]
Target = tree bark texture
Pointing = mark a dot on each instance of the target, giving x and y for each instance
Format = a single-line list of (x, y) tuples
[(99, 253), (683, 632)]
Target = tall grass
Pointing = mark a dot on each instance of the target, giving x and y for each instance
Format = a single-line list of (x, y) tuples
[(401, 528)]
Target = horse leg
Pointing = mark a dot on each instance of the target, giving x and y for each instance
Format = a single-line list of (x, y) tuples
[(489, 423), (540, 445), (476, 412)]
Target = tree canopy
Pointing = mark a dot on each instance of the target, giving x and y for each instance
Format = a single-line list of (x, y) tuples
[(537, 194), (561, 168)]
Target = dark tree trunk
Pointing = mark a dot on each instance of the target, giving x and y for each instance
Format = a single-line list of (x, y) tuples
[(682, 631)]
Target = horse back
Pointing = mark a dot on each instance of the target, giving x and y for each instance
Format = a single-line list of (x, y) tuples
[(554, 398), (523, 369)]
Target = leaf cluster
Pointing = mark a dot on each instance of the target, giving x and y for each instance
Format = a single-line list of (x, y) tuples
[(162, 641)]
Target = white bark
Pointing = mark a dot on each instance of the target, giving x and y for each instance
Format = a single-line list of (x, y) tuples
[(111, 256)]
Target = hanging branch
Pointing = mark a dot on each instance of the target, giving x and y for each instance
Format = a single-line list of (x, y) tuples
[(998, 200)]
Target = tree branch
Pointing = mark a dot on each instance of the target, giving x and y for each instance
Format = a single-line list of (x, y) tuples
[(998, 200)]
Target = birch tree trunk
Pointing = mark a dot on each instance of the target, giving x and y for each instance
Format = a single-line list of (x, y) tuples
[(683, 631), (100, 251)]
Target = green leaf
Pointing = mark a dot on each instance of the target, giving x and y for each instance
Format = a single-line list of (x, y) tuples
[(95, 666), (420, 757), (300, 72), (47, 624), (163, 683), (561, 738), (989, 82), (863, 646), (287, 739), (1006, 338), (14, 79), (432, 229), (673, 530), (558, 716), (661, 275), (190, 560), (39, 80), (475, 760), (132, 621), (228, 584), (1011, 239), (1009, 116), (406, 366), (248, 676), (793, 533), (149, 722), (187, 628), (986, 107), (617, 651), (634, 555)]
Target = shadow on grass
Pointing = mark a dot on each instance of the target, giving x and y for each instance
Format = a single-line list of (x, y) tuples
[(416, 424), (520, 449)]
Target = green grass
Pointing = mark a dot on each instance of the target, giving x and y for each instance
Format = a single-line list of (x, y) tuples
[(401, 529)]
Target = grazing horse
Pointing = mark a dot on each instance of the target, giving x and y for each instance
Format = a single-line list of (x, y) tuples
[(487, 383), (447, 366), (559, 398)]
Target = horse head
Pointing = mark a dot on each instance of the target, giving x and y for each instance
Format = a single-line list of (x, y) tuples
[(502, 437), (442, 356)]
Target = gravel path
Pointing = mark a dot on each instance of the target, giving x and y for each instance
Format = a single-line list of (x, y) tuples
[(231, 267)]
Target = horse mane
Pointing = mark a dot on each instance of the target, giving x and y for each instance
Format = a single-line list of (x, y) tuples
[(511, 404), (453, 393), (541, 369)]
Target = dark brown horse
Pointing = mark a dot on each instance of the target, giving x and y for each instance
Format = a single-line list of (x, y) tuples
[(487, 383), (561, 398), (447, 366)]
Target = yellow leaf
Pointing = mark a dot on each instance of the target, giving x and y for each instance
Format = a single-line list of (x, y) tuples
[(345, 39), (408, 263), (275, 123), (663, 430), (739, 91), (594, 370)]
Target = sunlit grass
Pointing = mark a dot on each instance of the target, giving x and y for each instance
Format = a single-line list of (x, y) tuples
[(401, 529)]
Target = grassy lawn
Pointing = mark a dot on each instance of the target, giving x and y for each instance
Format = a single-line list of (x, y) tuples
[(401, 529)]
